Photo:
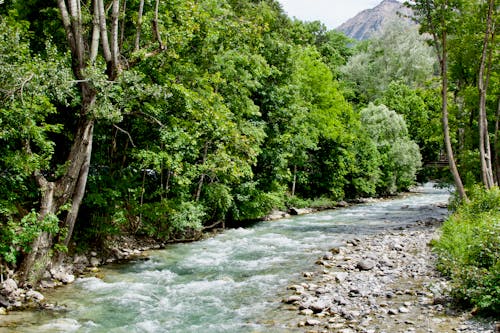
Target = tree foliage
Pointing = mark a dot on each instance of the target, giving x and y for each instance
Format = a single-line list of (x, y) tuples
[(165, 118)]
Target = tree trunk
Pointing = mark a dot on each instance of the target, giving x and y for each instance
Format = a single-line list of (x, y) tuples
[(497, 144), (446, 128), (484, 139), (294, 179), (202, 177), (139, 26)]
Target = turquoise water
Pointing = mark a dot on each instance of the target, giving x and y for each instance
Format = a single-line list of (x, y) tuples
[(232, 282)]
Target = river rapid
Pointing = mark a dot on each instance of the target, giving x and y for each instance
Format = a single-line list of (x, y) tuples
[(232, 282)]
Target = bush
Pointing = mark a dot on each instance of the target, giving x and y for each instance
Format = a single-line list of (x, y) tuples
[(469, 250)]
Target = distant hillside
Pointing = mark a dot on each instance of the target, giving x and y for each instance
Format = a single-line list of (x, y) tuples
[(370, 21)]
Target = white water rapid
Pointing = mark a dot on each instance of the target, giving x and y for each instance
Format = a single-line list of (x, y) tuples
[(232, 282)]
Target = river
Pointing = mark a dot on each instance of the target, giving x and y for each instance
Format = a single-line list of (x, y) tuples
[(232, 282)]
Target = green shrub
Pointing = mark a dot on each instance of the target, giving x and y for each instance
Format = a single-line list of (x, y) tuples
[(469, 250)]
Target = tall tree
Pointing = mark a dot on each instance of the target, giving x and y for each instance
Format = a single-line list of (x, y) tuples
[(435, 18), (92, 30)]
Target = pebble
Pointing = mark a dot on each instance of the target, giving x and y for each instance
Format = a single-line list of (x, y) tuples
[(312, 322), (375, 282)]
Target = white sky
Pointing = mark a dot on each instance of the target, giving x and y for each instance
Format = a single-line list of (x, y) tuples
[(331, 12)]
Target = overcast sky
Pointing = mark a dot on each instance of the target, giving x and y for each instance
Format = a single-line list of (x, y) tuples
[(331, 12)]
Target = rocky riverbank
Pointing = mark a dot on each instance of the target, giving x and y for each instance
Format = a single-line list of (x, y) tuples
[(13, 297), (380, 283)]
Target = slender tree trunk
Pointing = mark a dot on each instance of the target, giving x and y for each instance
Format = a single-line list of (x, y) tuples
[(156, 27), (202, 177), (446, 128), (484, 139), (294, 179), (497, 144), (139, 26)]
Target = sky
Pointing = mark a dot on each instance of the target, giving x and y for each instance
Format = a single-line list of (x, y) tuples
[(331, 12)]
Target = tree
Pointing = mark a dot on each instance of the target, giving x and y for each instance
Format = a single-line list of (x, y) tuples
[(400, 156), (435, 18), (399, 54), (97, 51)]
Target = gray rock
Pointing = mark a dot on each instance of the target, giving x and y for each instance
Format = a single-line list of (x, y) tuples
[(342, 204), (292, 299), (45, 284), (392, 311), (319, 306), (8, 287), (81, 259), (63, 274), (4, 302), (94, 262), (32, 295), (403, 310), (307, 312), (328, 256), (313, 322), (340, 276), (365, 265)]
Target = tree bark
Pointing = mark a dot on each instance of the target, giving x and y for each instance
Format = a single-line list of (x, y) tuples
[(139, 26), (484, 139), (446, 128), (497, 144)]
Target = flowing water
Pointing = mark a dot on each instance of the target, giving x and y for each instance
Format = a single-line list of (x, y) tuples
[(232, 282)]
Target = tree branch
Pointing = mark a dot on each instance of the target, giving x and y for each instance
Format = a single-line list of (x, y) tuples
[(127, 133)]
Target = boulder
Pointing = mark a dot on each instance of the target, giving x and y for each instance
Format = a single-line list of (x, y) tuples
[(365, 265), (313, 322), (8, 287), (319, 306), (80, 259), (342, 204), (299, 211), (4, 302), (32, 295), (292, 299), (94, 262), (63, 274)]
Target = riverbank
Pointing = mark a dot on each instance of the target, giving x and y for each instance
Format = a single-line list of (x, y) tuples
[(381, 283)]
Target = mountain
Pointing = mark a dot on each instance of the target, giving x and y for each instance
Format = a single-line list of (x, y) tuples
[(370, 21)]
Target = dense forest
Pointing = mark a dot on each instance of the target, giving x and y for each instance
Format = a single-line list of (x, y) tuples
[(165, 118)]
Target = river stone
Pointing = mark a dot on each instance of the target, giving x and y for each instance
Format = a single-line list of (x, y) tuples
[(340, 276), (293, 299), (4, 302), (62, 275), (392, 311), (3, 311), (94, 262), (403, 310), (81, 259), (365, 265), (312, 322), (328, 256), (319, 306), (34, 296), (8, 286), (307, 312)]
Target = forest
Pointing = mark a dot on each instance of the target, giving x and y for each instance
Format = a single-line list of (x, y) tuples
[(167, 118)]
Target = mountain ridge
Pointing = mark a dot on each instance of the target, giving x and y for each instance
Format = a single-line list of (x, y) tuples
[(369, 22)]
